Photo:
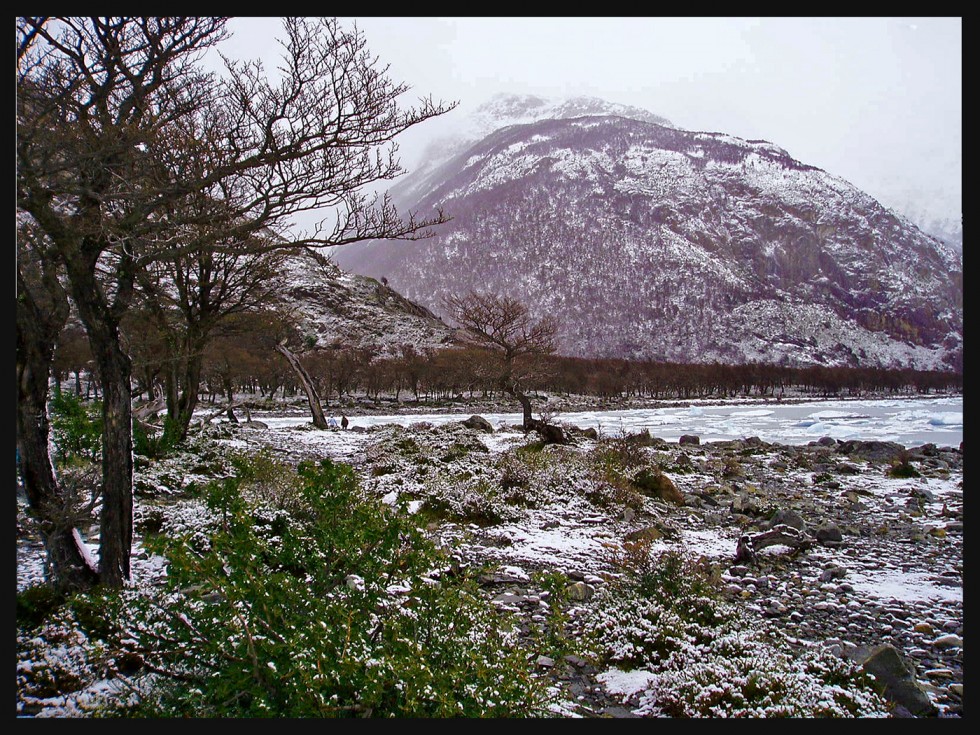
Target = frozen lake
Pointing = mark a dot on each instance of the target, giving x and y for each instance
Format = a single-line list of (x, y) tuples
[(910, 422)]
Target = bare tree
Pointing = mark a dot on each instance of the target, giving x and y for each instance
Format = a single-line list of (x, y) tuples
[(129, 154), (188, 297), (504, 326)]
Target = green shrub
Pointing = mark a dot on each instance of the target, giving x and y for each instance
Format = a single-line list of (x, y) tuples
[(267, 480), (669, 577), (154, 444), (36, 603), (665, 616), (553, 636), (902, 466), (56, 659), (76, 428), (732, 467), (332, 607), (740, 675), (619, 456)]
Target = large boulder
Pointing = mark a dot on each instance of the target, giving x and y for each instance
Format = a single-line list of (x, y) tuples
[(657, 485), (789, 518), (479, 423), (873, 451), (894, 677)]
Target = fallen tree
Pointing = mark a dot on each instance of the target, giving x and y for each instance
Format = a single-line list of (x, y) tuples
[(749, 545)]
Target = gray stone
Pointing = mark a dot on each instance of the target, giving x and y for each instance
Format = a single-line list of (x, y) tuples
[(788, 518), (894, 677), (948, 641), (828, 533), (479, 423), (579, 591)]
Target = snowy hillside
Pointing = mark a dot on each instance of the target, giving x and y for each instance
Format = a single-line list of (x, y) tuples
[(650, 242), (501, 111), (344, 309)]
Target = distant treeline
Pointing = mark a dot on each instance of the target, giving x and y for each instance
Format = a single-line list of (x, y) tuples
[(439, 374), (432, 375)]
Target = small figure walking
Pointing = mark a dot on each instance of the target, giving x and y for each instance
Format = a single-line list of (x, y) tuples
[(332, 422), (344, 423)]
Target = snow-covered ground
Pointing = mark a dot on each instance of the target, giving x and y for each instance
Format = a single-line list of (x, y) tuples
[(909, 422), (572, 535)]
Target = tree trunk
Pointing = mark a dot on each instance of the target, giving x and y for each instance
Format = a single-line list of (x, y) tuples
[(68, 567), (749, 545), (525, 406), (115, 374), (183, 390), (230, 392), (116, 530), (311, 395), (550, 433)]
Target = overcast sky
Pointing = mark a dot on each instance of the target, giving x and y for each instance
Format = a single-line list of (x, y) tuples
[(876, 100)]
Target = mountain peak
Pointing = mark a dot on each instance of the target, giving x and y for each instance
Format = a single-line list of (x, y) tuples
[(513, 109), (501, 111)]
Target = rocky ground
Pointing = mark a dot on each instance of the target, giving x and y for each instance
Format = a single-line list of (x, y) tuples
[(876, 560), (822, 541), (874, 531)]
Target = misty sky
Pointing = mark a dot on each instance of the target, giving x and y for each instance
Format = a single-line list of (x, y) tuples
[(875, 100)]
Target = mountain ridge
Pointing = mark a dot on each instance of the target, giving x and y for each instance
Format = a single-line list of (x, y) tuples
[(743, 218)]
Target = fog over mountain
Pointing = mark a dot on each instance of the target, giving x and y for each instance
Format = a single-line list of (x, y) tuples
[(935, 209), (650, 242)]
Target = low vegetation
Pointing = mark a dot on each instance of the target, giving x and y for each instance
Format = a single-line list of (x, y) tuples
[(296, 595), (665, 616), (308, 591)]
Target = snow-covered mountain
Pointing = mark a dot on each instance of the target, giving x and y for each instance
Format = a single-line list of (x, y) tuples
[(650, 242), (348, 310), (499, 112)]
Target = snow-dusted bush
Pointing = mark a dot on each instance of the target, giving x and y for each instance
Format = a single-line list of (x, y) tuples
[(332, 607), (663, 616), (739, 675), (55, 660)]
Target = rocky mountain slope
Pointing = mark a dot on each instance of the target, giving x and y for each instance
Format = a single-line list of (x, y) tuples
[(349, 310), (649, 242), (500, 111)]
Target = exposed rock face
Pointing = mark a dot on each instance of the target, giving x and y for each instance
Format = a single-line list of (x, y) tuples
[(649, 242), (344, 309), (479, 423)]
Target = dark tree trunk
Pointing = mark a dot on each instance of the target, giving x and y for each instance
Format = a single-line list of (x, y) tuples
[(115, 374), (525, 406), (230, 392), (316, 408), (116, 530), (183, 398), (183, 386), (68, 567), (550, 433)]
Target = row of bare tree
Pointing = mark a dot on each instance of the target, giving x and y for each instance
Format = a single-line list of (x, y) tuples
[(241, 361)]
